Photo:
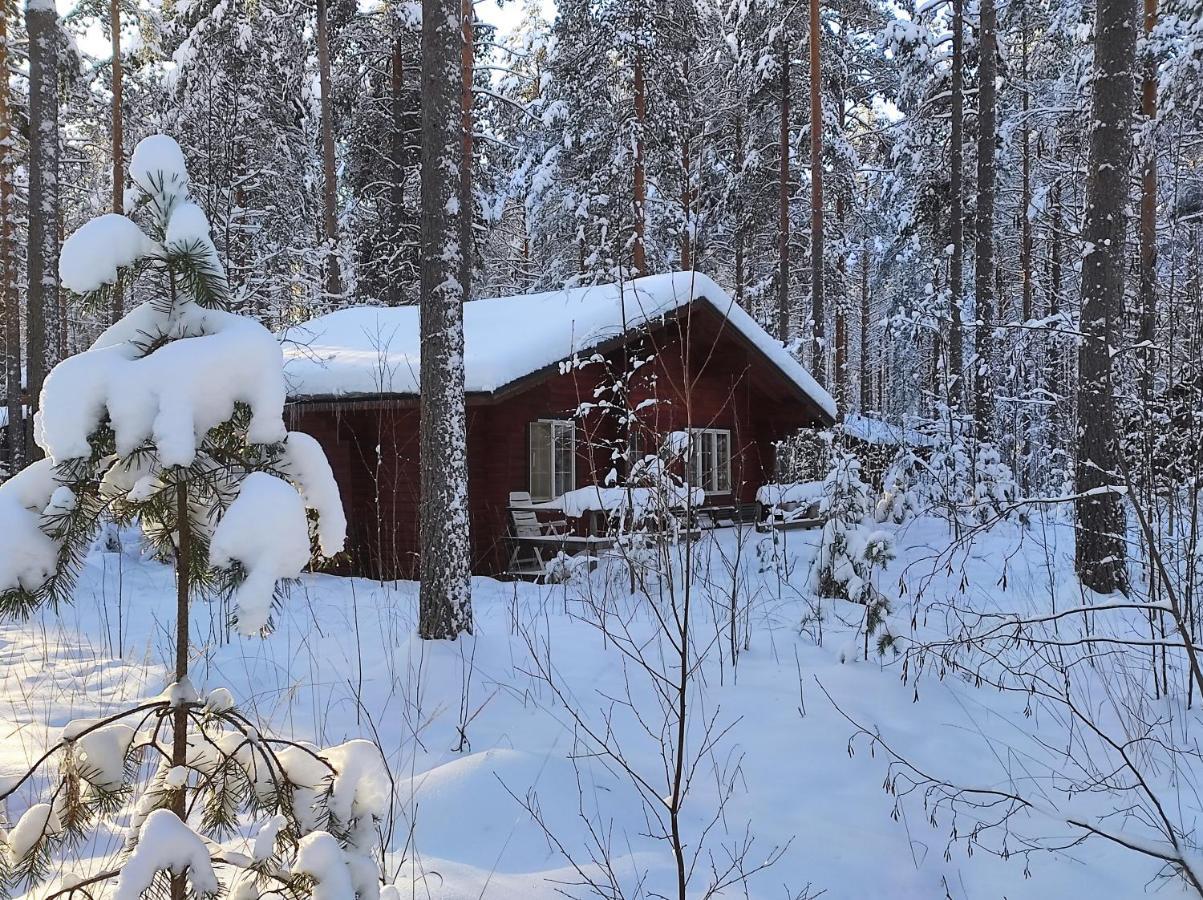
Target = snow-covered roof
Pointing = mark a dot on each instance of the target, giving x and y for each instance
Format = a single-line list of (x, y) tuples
[(876, 431), (369, 350)]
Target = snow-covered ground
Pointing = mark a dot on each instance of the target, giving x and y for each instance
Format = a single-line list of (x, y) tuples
[(475, 738)]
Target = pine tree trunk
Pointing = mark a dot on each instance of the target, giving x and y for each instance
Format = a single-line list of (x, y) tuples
[(334, 277), (8, 265), (1026, 379), (740, 234), (686, 205), (983, 257), (843, 387), (1100, 556), (179, 742), (1025, 163), (397, 163), (817, 311), (444, 600), (864, 317), (1148, 211), (639, 253), (783, 200), (118, 134), (956, 214), (42, 309)]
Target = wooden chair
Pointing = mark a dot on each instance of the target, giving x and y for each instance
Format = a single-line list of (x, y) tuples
[(524, 523)]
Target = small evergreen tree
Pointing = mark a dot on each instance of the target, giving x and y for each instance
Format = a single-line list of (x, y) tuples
[(173, 422), (849, 551)]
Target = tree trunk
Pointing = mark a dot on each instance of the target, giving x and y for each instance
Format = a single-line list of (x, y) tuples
[(686, 205), (8, 267), (334, 277), (118, 133), (783, 201), (639, 255), (467, 205), (740, 235), (444, 599), (843, 388), (397, 162), (42, 309), (817, 312), (1148, 210), (956, 214), (864, 315), (1100, 556), (179, 742), (1025, 164), (983, 257)]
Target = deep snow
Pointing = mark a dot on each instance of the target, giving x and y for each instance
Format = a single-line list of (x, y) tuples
[(344, 664)]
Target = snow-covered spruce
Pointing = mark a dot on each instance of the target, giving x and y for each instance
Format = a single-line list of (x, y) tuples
[(851, 551), (173, 422)]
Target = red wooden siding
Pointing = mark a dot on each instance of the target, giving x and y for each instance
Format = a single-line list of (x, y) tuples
[(702, 376)]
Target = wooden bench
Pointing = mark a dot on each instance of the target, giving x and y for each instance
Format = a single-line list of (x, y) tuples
[(729, 513)]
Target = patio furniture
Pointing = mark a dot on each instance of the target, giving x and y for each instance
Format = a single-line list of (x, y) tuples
[(534, 541)]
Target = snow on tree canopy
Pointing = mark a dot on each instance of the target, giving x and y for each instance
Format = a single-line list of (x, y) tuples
[(30, 555), (201, 360), (172, 395), (166, 843), (92, 255), (376, 350), (158, 166), (306, 465), (265, 530), (99, 750)]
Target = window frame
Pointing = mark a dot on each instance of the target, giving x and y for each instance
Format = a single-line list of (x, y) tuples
[(554, 424), (697, 456)]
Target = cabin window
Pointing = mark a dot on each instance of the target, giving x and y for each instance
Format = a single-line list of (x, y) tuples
[(710, 460), (552, 458)]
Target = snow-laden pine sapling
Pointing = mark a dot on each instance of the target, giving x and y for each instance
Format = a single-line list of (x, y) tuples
[(901, 487), (850, 551), (173, 422)]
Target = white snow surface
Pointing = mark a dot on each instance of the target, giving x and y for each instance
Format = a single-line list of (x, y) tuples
[(95, 251), (798, 492), (172, 395), (376, 350), (641, 500), (344, 663), (265, 529), (877, 431), (166, 843)]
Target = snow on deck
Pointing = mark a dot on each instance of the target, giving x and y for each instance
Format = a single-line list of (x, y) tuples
[(370, 350)]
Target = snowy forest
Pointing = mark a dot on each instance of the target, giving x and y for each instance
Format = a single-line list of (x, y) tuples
[(601, 448)]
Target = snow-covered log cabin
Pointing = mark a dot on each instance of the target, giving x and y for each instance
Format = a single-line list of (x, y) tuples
[(545, 376)]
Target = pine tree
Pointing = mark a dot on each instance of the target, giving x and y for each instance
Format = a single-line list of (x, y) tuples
[(173, 422)]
